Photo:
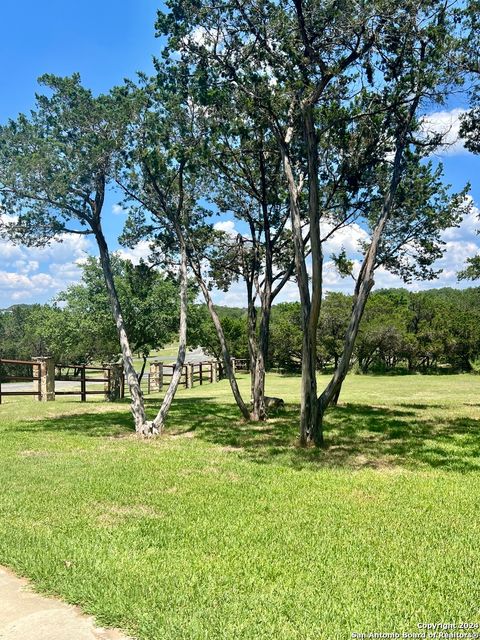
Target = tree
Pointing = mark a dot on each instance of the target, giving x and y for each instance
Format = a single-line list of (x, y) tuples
[(160, 178), (333, 325), (202, 332), (470, 125), (286, 340), (342, 93), (287, 59), (165, 174), (55, 166), (247, 182), (149, 301)]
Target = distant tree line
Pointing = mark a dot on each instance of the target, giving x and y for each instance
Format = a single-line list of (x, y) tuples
[(401, 331)]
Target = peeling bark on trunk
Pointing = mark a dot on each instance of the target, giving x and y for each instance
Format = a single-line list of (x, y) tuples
[(252, 340), (137, 403), (258, 373), (182, 344), (310, 428)]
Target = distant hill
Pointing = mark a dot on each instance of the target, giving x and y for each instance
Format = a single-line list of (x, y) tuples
[(230, 312), (18, 306)]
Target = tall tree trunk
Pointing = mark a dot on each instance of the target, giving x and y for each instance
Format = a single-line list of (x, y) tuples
[(227, 360), (310, 427), (182, 342), (258, 371), (252, 337), (137, 403), (315, 433), (308, 391), (258, 396), (363, 287)]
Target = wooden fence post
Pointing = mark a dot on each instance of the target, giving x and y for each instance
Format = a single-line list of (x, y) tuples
[(46, 375), (160, 375), (189, 375), (83, 384), (113, 388)]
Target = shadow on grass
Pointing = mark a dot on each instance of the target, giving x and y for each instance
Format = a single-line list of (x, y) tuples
[(357, 435)]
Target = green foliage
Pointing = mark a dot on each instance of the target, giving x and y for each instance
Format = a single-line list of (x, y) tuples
[(357, 66), (201, 331), (472, 270), (399, 329), (56, 162), (285, 348), (79, 326), (475, 366)]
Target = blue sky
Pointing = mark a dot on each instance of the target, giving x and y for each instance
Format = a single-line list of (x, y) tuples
[(106, 41)]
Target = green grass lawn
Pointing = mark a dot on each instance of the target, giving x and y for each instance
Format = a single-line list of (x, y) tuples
[(168, 353), (222, 530)]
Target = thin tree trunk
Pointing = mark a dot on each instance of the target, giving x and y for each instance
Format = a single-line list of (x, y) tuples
[(363, 287), (308, 391), (137, 403), (310, 428), (182, 343), (142, 370), (315, 432), (258, 372), (227, 360), (252, 340), (258, 396)]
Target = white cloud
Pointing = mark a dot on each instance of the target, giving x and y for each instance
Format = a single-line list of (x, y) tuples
[(118, 210), (27, 266), (446, 123), (227, 226), (348, 238), (33, 274), (460, 243), (140, 251)]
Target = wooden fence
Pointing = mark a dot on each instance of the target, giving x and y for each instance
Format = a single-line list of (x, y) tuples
[(86, 377), (193, 373), (8, 365), (45, 377)]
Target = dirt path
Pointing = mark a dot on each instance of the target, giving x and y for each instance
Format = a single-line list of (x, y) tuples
[(25, 615)]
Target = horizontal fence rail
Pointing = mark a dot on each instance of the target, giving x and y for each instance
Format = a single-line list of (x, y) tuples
[(81, 376), (108, 380), (8, 365)]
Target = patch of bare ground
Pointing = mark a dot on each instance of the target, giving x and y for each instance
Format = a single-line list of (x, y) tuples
[(230, 448)]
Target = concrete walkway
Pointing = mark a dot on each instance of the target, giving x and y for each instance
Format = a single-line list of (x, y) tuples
[(25, 615)]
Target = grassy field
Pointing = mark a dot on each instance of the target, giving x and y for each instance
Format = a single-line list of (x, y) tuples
[(221, 530), (168, 354)]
